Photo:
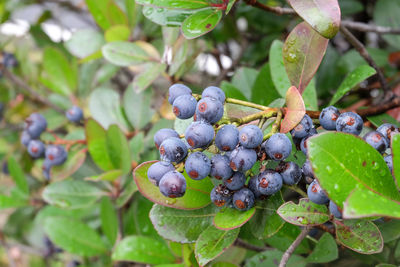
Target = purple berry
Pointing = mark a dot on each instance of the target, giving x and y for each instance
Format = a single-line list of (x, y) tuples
[(74, 114), (177, 90), (198, 165), (25, 138), (220, 168), (334, 210), (389, 162), (214, 92), (227, 137), (220, 195), (250, 136), (209, 109), (199, 134), (290, 172), (35, 125), (328, 118), (377, 141), (303, 128), (349, 122), (387, 130), (243, 199), (269, 182), (308, 172), (56, 155), (164, 134), (184, 106), (173, 150), (242, 159), (36, 148), (236, 182), (278, 146), (157, 171), (316, 194), (173, 184)]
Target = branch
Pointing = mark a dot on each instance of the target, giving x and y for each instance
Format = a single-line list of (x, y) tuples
[(382, 108), (277, 10), (29, 90), (363, 27), (243, 244), (364, 53), (293, 246)]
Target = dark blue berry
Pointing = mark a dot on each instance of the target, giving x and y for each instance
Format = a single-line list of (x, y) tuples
[(236, 182), (9, 60), (177, 90), (46, 168), (74, 114), (164, 134), (349, 122), (36, 148), (328, 118), (157, 171), (303, 128), (173, 150), (307, 171), (4, 168), (243, 199), (389, 162), (303, 143), (172, 184), (199, 134), (184, 106), (334, 210), (209, 109), (227, 137), (214, 92), (220, 195), (25, 138), (56, 155), (35, 125), (198, 165), (250, 136), (253, 187), (316, 194), (377, 141), (290, 172), (220, 168), (387, 130), (269, 182), (278, 146), (242, 159)]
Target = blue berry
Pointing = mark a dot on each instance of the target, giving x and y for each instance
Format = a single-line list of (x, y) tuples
[(173, 150), (334, 210), (242, 159), (269, 182), (227, 137), (387, 130), (278, 146), (220, 195), (209, 109), (253, 187), (250, 136), (36, 148), (349, 122), (243, 199), (25, 138), (377, 141), (290, 172), (307, 171), (303, 128), (157, 171), (236, 182), (74, 114), (56, 155), (35, 125), (220, 168), (177, 90), (316, 194), (328, 118), (214, 92), (164, 134), (173, 184), (184, 106), (198, 165), (389, 162), (303, 143), (9, 60), (199, 134)]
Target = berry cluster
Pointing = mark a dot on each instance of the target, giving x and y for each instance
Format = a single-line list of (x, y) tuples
[(54, 155)]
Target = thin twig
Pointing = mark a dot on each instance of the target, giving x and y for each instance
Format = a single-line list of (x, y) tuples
[(363, 27), (382, 108), (243, 244), (293, 246), (276, 9)]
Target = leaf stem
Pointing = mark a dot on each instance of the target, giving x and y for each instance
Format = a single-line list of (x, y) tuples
[(275, 126)]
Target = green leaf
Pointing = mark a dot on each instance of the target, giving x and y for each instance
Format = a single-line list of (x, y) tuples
[(137, 107), (386, 14), (74, 161), (361, 236), (310, 96), (322, 15), (181, 125), (231, 91), (18, 175), (303, 51), (166, 17), (278, 71), (378, 120), (129, 188), (197, 191), (272, 258), (107, 176), (325, 251), (117, 33), (98, 9), (175, 4), (118, 149), (244, 80), (263, 91), (353, 79), (304, 213), (230, 218), (142, 249), (340, 170), (183, 226), (115, 15), (74, 236), (212, 242), (109, 220), (201, 23), (266, 221), (390, 230), (73, 194), (136, 145), (125, 53), (285, 237), (151, 71), (97, 145), (395, 140), (105, 107), (12, 201), (84, 43), (140, 223)]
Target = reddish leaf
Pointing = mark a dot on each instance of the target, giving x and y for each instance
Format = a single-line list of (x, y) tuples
[(322, 15), (303, 51), (295, 110)]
